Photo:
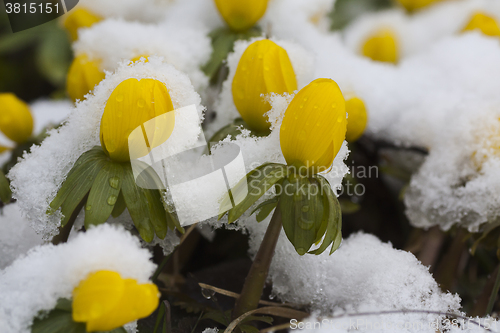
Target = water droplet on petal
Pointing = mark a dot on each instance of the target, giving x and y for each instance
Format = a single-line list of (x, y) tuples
[(334, 105), (119, 98), (339, 119), (114, 182), (112, 200), (141, 103)]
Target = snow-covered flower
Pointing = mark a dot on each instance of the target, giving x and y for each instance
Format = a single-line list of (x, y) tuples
[(357, 118), (382, 45), (264, 68), (16, 121), (79, 18), (105, 301), (83, 75), (241, 15), (314, 126), (132, 104)]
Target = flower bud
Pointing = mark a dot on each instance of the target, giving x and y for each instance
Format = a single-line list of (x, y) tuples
[(83, 76), (79, 18), (241, 15), (105, 301), (357, 118), (487, 24), (264, 68), (382, 46), (314, 126), (16, 121), (132, 104)]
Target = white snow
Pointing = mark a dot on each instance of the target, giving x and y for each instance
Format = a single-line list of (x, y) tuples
[(35, 283)]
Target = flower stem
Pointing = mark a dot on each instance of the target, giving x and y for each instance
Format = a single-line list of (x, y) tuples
[(256, 278), (64, 232)]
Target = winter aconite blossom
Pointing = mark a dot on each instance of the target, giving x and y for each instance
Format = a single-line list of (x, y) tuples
[(412, 5), (79, 18), (264, 68), (485, 23), (132, 104), (382, 46), (105, 301), (357, 118), (241, 15), (314, 126), (84, 74), (16, 121)]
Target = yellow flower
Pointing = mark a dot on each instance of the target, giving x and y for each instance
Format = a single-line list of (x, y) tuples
[(357, 118), (264, 68), (134, 103), (16, 121), (382, 46), (485, 23), (241, 15), (412, 5), (105, 301), (83, 76), (314, 126), (79, 18)]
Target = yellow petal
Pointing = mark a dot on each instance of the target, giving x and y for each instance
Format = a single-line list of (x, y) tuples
[(412, 5), (132, 104), (357, 118), (138, 301), (241, 15), (79, 18), (485, 23), (97, 295), (264, 68), (382, 46), (83, 76), (16, 121), (314, 126), (135, 59)]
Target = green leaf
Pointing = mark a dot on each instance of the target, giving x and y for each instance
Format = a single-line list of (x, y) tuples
[(80, 173), (137, 205), (248, 328), (334, 227), (254, 186), (57, 321), (223, 40), (223, 318), (103, 194), (5, 192), (157, 212), (301, 205), (266, 208), (84, 181), (120, 206)]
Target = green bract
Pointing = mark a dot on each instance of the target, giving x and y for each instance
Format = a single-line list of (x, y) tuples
[(310, 209), (106, 188)]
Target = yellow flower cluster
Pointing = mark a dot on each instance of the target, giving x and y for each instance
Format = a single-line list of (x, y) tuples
[(79, 18), (83, 76)]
